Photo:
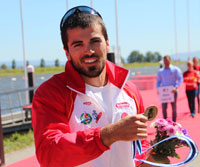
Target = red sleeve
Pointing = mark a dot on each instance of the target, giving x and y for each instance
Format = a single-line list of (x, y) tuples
[(197, 67), (55, 145)]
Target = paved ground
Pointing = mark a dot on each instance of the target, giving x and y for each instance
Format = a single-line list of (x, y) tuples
[(19, 155), (29, 151)]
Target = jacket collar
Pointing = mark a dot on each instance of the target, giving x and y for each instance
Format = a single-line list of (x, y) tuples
[(116, 75)]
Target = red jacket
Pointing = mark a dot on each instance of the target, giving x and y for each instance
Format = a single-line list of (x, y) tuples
[(190, 79), (53, 105)]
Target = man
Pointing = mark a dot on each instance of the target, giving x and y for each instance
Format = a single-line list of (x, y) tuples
[(90, 114), (169, 75)]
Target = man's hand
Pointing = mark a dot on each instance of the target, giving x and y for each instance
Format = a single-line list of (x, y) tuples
[(127, 129), (174, 90)]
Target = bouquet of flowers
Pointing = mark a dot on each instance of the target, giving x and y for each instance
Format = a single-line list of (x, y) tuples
[(164, 129)]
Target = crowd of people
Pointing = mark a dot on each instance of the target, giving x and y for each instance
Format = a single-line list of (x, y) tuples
[(170, 75)]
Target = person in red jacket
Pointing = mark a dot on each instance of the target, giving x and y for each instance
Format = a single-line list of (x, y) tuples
[(89, 115), (196, 67), (190, 78)]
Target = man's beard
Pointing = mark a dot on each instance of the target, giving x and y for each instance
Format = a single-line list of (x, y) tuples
[(91, 72)]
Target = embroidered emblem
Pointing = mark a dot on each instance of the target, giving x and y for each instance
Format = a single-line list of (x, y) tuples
[(86, 118), (96, 116), (122, 105), (88, 103)]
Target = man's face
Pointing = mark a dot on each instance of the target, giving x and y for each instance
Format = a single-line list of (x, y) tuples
[(167, 62), (195, 61), (190, 66), (87, 50)]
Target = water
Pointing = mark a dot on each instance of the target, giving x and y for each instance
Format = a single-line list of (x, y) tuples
[(18, 99), (17, 82)]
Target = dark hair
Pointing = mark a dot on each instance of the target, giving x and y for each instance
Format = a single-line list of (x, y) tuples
[(82, 20), (167, 57)]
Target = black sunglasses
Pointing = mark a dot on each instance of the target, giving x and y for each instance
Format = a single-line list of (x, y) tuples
[(78, 9)]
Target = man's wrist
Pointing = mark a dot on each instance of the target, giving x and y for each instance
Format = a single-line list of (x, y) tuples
[(106, 134)]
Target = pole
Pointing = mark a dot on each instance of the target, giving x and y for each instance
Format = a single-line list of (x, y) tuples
[(91, 3), (31, 82), (188, 24), (2, 158), (111, 57), (175, 33), (67, 4), (118, 62), (24, 55)]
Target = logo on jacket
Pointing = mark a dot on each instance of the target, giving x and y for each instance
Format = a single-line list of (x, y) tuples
[(96, 115), (88, 103), (124, 114), (122, 105), (86, 118)]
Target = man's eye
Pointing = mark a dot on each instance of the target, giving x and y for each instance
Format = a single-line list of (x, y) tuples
[(96, 41), (77, 45)]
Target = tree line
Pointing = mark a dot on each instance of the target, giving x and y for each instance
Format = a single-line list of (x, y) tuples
[(136, 56), (42, 64)]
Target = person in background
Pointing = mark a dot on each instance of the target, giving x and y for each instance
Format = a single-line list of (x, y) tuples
[(190, 79), (169, 75), (89, 115), (161, 64), (196, 67)]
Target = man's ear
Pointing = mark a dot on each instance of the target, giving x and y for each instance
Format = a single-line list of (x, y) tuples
[(67, 54), (107, 44)]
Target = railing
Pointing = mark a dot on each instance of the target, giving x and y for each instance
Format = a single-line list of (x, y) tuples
[(12, 112), (2, 158)]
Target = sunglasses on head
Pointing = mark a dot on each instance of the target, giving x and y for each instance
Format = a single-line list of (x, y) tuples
[(78, 9)]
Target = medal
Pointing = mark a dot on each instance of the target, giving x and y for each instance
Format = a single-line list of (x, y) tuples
[(151, 112)]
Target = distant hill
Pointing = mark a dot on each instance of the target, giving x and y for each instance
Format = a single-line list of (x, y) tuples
[(184, 56)]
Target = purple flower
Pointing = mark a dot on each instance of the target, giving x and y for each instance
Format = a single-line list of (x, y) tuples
[(184, 130)]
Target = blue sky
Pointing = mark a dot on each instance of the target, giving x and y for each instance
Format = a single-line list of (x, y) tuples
[(144, 25)]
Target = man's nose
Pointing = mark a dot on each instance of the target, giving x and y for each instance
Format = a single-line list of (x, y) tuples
[(89, 51)]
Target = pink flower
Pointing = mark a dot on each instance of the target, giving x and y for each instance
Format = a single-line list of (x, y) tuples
[(162, 128), (161, 123), (178, 128), (170, 122), (171, 130)]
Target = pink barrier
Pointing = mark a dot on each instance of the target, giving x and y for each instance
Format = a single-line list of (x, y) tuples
[(144, 77), (144, 82), (28, 162)]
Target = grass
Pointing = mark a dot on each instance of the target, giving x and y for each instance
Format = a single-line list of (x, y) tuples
[(38, 70), (17, 141), (147, 64), (142, 64)]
